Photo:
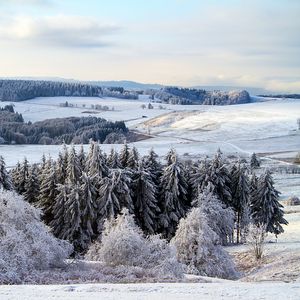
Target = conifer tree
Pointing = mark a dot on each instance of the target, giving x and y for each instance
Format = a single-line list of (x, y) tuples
[(145, 200), (153, 165), (95, 163), (133, 159), (32, 186), (266, 208), (74, 231), (124, 155), (254, 161), (113, 160), (20, 176), (218, 175), (5, 179), (57, 224), (240, 190), (114, 194), (48, 192), (89, 208), (73, 167), (81, 158), (173, 195)]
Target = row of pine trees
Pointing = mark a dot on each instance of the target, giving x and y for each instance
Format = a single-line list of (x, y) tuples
[(79, 191)]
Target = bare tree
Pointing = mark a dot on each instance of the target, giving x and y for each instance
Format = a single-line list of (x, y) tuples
[(256, 239)]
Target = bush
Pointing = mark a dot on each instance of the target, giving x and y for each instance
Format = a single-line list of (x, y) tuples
[(198, 248), (26, 246), (293, 201), (256, 239), (123, 244)]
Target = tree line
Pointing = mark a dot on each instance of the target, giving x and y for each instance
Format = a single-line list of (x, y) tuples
[(20, 90), (77, 130), (77, 192)]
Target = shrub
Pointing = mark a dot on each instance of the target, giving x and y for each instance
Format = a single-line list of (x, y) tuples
[(26, 246), (123, 244)]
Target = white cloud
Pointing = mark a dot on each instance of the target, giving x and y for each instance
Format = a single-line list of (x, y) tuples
[(60, 30)]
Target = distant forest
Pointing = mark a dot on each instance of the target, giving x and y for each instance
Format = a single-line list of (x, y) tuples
[(175, 95), (20, 90), (75, 130), (289, 96)]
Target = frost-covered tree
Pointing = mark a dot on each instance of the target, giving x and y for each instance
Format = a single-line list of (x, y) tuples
[(266, 208), (57, 224), (89, 207), (61, 166), (254, 161), (198, 247), (240, 190), (173, 195), (73, 167), (48, 192), (219, 217), (133, 159), (5, 178), (114, 194), (145, 199), (113, 159), (32, 186), (26, 246), (123, 244), (95, 162), (153, 165), (20, 175), (124, 155), (81, 158), (74, 231), (199, 171)]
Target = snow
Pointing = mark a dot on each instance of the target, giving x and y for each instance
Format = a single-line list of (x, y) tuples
[(216, 290)]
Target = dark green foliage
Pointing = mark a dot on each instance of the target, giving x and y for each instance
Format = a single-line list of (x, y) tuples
[(265, 205)]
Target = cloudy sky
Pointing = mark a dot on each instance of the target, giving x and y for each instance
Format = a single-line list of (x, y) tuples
[(183, 42)]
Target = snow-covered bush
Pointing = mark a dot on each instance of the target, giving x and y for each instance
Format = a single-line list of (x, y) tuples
[(198, 247), (123, 244), (256, 239), (26, 246), (293, 201)]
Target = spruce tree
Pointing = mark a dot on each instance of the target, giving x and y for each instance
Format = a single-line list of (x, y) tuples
[(5, 178), (89, 208), (48, 192), (133, 159), (95, 162), (240, 190), (114, 194), (20, 175), (58, 224), (73, 167), (145, 200), (113, 160), (173, 195), (32, 186), (81, 158), (124, 155), (74, 231), (266, 208), (153, 165), (254, 161)]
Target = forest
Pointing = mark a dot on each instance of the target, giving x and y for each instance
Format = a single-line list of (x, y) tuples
[(176, 95), (124, 209), (77, 130), (20, 90)]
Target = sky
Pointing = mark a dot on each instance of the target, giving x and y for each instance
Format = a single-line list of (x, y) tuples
[(253, 43)]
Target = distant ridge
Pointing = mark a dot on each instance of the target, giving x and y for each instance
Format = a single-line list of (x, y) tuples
[(133, 85)]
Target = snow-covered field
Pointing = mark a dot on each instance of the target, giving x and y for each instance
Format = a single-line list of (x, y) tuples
[(263, 127), (183, 291)]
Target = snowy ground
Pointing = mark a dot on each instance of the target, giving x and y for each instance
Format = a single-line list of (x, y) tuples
[(268, 127), (164, 291)]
